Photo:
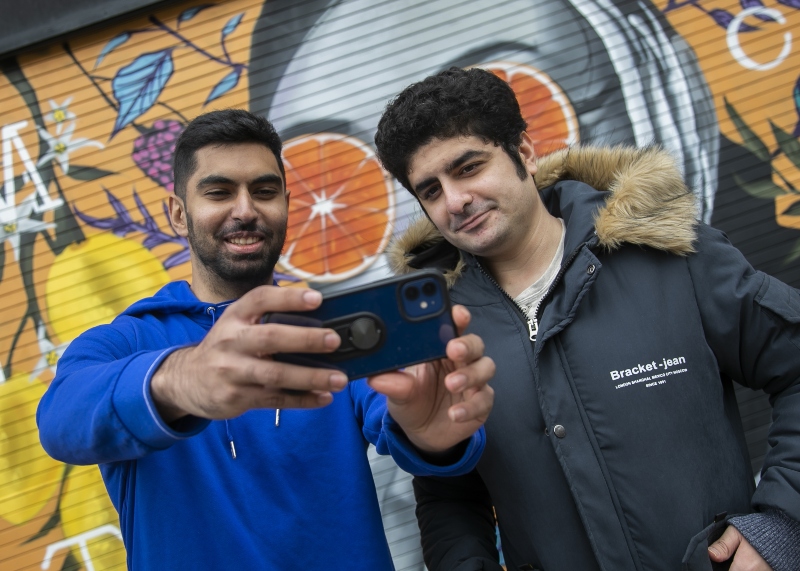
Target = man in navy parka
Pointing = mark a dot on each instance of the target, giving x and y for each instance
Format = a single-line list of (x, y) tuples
[(618, 323), (217, 456)]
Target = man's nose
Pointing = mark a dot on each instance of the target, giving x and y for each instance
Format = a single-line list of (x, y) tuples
[(456, 198), (244, 208)]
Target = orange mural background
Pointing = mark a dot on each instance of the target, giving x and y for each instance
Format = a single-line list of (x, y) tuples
[(84, 232)]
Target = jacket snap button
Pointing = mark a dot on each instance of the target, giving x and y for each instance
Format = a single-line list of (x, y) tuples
[(559, 431), (590, 269)]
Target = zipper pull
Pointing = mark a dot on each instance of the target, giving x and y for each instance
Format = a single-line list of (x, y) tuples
[(533, 328)]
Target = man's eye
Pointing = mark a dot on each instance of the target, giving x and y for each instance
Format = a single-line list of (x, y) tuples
[(430, 193), (469, 168)]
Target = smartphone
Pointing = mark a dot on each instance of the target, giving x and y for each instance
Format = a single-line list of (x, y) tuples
[(385, 325)]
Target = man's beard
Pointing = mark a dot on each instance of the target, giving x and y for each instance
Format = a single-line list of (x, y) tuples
[(249, 270)]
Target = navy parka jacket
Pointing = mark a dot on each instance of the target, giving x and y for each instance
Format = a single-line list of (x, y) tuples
[(615, 441)]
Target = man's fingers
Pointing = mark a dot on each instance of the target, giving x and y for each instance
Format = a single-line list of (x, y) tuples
[(724, 548), (397, 385), (267, 299), (268, 339), (472, 376), (461, 318), (465, 349), (476, 407), (275, 376), (254, 397)]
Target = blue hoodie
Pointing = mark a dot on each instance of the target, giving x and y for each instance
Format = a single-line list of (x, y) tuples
[(298, 495)]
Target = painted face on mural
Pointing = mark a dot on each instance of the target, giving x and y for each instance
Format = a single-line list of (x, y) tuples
[(472, 192), (236, 211)]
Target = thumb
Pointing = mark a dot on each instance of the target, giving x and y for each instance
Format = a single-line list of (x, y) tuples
[(724, 548)]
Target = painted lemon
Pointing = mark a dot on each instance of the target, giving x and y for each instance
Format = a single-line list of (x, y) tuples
[(29, 478), (85, 506), (93, 281)]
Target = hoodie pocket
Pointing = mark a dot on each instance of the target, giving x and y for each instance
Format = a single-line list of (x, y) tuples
[(696, 557)]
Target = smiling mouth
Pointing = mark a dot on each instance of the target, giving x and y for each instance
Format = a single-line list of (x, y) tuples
[(244, 240), (471, 222)]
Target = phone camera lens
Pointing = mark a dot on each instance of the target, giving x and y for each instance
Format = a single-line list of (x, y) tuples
[(428, 289), (412, 293)]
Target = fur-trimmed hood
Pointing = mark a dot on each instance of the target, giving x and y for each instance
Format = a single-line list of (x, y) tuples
[(649, 205)]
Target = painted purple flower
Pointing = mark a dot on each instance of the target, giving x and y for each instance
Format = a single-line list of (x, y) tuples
[(153, 151)]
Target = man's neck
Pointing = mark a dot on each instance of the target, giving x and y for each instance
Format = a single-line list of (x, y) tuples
[(527, 261), (212, 289)]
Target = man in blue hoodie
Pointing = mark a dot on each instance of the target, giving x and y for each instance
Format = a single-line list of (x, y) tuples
[(179, 401)]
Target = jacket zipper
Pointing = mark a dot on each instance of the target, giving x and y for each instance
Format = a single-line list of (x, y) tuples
[(533, 320)]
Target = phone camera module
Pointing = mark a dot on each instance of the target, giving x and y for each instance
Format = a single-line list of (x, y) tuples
[(429, 289), (412, 293)]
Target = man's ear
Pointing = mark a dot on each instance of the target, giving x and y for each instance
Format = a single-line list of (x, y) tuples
[(527, 153), (177, 215)]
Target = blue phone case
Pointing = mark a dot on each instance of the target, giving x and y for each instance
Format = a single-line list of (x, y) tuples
[(384, 326)]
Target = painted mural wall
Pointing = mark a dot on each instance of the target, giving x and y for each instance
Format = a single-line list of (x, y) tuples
[(88, 128)]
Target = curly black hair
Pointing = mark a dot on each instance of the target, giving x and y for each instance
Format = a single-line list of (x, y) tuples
[(455, 102), (227, 126)]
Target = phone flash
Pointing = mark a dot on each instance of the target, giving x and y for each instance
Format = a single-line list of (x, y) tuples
[(424, 305)]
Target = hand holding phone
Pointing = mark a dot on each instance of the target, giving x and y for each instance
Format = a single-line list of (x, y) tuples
[(384, 326)]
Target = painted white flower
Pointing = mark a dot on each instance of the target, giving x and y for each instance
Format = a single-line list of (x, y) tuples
[(62, 145), (59, 114), (16, 220), (50, 353)]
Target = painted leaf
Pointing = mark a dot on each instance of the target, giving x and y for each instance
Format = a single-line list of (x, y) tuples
[(790, 3), (749, 139), (79, 172), (226, 84), (756, 4), (177, 259), (794, 254), (724, 18), (138, 85), (789, 145), (231, 25), (764, 188), (190, 13), (112, 44), (793, 210), (796, 97)]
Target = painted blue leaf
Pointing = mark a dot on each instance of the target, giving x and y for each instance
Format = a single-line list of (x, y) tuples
[(177, 259), (149, 223), (796, 96), (790, 3), (119, 208), (231, 25), (154, 240), (757, 4), (138, 85), (226, 84), (723, 19), (113, 43), (190, 13), (118, 226)]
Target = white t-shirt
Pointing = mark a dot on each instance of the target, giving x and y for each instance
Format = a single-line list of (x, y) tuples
[(533, 294)]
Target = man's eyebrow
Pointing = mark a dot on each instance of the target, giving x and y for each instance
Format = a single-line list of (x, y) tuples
[(451, 166), (213, 179)]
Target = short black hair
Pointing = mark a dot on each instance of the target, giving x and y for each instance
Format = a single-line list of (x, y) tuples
[(227, 126), (455, 102)]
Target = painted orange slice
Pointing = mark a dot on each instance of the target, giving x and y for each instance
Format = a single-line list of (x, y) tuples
[(545, 107), (341, 211)]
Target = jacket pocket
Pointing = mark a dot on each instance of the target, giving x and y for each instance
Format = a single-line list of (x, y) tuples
[(696, 557), (781, 299)]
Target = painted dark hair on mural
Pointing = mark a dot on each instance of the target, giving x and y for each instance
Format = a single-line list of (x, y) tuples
[(455, 102), (227, 126)]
